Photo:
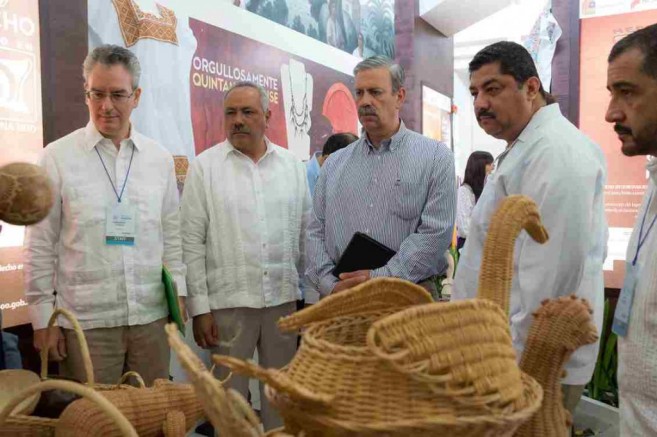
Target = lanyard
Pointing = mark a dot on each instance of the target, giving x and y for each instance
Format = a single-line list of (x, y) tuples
[(125, 181), (643, 238)]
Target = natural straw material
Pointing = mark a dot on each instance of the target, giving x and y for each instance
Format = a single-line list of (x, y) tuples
[(147, 409), (462, 351), (227, 410), (514, 214), (30, 425), (13, 381), (379, 294), (86, 357), (559, 328), (12, 426)]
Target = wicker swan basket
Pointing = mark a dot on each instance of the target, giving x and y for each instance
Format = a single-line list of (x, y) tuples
[(380, 359)]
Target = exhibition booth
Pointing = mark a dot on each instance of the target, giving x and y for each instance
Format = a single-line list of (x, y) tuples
[(303, 53)]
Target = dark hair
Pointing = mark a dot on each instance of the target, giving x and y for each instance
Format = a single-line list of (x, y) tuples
[(338, 141), (514, 60), (645, 40), (475, 171)]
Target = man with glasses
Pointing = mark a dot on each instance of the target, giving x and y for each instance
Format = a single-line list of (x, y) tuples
[(114, 223)]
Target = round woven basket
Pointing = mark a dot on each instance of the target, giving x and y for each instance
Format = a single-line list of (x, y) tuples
[(22, 424), (13, 381), (338, 385)]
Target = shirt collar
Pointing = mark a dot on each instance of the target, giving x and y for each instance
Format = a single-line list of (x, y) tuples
[(231, 150), (651, 166), (391, 143), (544, 114), (92, 137)]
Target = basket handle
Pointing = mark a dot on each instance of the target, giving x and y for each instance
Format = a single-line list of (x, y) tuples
[(137, 376), (82, 341), (125, 427), (276, 379)]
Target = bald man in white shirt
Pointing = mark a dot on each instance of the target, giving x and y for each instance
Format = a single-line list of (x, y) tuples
[(245, 210)]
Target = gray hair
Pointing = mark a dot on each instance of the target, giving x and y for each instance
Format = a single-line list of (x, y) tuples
[(109, 55), (378, 61), (264, 98)]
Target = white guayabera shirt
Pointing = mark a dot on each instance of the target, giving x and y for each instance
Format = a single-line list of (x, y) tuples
[(104, 285)]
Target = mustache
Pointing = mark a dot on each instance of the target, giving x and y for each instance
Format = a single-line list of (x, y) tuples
[(485, 113), (622, 130), (366, 110), (241, 130)]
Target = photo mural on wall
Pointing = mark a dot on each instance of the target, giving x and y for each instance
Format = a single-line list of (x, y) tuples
[(188, 65), (361, 27), (308, 101)]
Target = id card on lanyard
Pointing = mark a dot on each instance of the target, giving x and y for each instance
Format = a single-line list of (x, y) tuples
[(632, 271), (120, 217)]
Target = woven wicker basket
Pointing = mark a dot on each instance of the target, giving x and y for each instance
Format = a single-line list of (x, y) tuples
[(32, 425), (16, 426), (86, 357), (386, 295), (227, 410), (371, 363), (337, 385)]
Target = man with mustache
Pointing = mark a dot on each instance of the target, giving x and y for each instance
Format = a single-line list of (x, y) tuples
[(392, 184), (632, 82), (114, 222), (245, 210), (564, 172)]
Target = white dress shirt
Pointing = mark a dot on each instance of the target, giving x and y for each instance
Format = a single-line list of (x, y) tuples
[(104, 286), (564, 172), (464, 207), (242, 226), (637, 364)]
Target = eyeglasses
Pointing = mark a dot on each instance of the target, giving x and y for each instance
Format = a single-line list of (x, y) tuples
[(99, 96)]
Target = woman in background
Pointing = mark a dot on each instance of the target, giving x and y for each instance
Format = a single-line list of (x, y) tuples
[(480, 164)]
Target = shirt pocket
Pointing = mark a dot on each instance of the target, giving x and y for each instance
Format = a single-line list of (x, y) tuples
[(408, 199)]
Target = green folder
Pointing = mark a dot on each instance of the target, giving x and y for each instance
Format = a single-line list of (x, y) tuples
[(171, 292)]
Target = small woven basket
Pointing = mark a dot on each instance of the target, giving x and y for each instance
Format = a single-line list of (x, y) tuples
[(40, 426), (17, 425)]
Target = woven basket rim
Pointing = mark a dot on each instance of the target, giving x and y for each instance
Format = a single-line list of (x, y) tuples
[(532, 389), (534, 396)]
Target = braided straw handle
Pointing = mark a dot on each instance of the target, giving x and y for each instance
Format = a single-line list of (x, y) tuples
[(137, 376), (276, 379), (122, 423), (513, 215), (84, 348), (373, 295)]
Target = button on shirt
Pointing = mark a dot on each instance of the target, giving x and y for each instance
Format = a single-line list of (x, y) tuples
[(242, 228), (102, 285), (402, 194), (564, 172)]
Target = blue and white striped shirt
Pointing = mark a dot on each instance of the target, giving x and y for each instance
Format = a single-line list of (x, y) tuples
[(402, 195)]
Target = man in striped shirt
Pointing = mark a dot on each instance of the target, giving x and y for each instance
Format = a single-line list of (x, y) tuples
[(393, 184)]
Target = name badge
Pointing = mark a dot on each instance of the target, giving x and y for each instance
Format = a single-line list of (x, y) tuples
[(624, 305), (120, 225)]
